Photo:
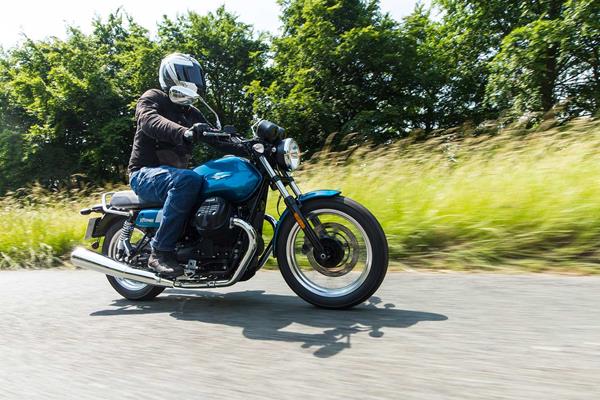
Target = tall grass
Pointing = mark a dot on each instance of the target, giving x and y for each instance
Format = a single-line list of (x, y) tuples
[(517, 199), (38, 228)]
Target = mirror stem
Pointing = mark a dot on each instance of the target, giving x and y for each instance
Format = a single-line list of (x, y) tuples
[(218, 122)]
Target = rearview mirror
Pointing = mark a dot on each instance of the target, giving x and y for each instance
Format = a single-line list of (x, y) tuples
[(182, 95)]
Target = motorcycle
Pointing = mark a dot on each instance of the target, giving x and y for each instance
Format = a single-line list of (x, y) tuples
[(331, 251)]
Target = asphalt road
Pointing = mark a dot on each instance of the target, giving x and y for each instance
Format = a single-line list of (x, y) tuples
[(67, 335)]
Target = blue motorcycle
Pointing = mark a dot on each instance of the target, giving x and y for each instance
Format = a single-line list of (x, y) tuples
[(331, 251)]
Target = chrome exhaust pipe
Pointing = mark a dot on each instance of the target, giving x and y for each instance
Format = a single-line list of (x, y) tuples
[(87, 259)]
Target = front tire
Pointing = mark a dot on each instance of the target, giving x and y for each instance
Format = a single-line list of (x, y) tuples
[(131, 290), (358, 249)]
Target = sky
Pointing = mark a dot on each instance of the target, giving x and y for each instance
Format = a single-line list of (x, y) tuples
[(42, 18)]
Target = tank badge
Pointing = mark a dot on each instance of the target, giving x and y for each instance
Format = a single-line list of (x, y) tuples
[(220, 175)]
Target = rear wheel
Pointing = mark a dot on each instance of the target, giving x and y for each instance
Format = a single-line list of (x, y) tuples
[(356, 247), (130, 289)]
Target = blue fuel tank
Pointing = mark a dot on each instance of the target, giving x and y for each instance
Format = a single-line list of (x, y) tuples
[(232, 178)]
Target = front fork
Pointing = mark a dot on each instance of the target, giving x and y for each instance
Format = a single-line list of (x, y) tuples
[(315, 220), (293, 204)]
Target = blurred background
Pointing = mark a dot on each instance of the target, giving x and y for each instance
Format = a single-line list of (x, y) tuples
[(469, 128)]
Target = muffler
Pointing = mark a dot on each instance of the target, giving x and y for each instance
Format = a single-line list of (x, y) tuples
[(87, 259)]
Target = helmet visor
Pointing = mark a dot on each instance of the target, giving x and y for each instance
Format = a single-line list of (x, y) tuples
[(190, 73)]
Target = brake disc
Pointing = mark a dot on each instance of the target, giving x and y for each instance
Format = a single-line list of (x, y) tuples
[(342, 248)]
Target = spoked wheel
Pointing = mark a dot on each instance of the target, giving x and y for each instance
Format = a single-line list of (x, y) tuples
[(356, 248), (130, 289)]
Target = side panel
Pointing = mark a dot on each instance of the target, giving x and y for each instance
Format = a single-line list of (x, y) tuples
[(149, 218), (303, 197), (233, 178)]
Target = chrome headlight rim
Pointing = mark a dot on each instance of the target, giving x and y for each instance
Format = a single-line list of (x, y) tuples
[(288, 154)]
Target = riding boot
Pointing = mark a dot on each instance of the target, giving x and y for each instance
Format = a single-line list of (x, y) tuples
[(165, 264)]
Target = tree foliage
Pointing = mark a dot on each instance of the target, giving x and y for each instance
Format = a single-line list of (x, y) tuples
[(229, 51), (524, 56), (337, 67), (552, 59), (66, 105)]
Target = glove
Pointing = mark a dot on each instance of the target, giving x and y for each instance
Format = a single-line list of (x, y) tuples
[(195, 132), (201, 127)]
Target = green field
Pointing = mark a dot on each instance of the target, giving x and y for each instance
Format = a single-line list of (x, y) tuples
[(515, 200)]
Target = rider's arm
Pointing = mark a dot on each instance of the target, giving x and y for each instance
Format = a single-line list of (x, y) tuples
[(155, 125)]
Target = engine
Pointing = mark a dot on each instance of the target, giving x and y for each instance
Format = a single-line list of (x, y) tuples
[(212, 245), (213, 216)]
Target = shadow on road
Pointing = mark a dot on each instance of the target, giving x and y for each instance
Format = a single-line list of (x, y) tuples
[(265, 316)]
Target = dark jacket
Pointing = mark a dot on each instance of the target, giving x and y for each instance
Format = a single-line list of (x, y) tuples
[(159, 135), (159, 138)]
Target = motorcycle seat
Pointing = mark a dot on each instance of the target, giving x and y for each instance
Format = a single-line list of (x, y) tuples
[(128, 200)]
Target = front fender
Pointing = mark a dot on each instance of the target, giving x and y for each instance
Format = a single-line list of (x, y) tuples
[(316, 194)]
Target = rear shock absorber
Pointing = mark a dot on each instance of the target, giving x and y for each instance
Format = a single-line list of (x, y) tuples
[(124, 244)]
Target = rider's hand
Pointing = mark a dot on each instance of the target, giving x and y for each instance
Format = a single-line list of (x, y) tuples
[(195, 132), (200, 127)]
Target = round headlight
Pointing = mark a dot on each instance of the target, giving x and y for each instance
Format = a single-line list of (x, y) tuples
[(288, 154)]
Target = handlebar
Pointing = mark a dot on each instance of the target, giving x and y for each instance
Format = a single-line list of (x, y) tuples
[(242, 146), (216, 134)]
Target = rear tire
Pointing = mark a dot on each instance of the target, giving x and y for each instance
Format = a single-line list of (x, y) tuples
[(374, 252), (131, 290)]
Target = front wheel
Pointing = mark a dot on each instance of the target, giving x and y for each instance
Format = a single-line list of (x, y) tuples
[(356, 246)]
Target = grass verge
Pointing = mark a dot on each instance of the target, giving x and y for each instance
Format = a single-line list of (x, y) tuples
[(518, 199)]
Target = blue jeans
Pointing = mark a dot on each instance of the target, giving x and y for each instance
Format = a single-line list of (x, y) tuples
[(178, 189)]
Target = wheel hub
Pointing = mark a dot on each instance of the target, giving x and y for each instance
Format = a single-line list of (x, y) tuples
[(333, 251), (339, 250)]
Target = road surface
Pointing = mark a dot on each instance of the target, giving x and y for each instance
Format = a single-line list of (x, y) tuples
[(65, 334)]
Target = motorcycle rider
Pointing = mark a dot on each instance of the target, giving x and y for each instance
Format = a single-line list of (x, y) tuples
[(167, 127)]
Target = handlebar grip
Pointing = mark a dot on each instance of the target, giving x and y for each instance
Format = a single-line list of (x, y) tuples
[(216, 134)]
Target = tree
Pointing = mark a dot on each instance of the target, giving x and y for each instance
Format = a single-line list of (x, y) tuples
[(77, 97), (336, 68), (550, 60), (12, 173), (471, 34), (520, 56), (428, 103), (66, 106), (231, 54)]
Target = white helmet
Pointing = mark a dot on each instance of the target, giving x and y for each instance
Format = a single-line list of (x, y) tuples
[(184, 71)]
